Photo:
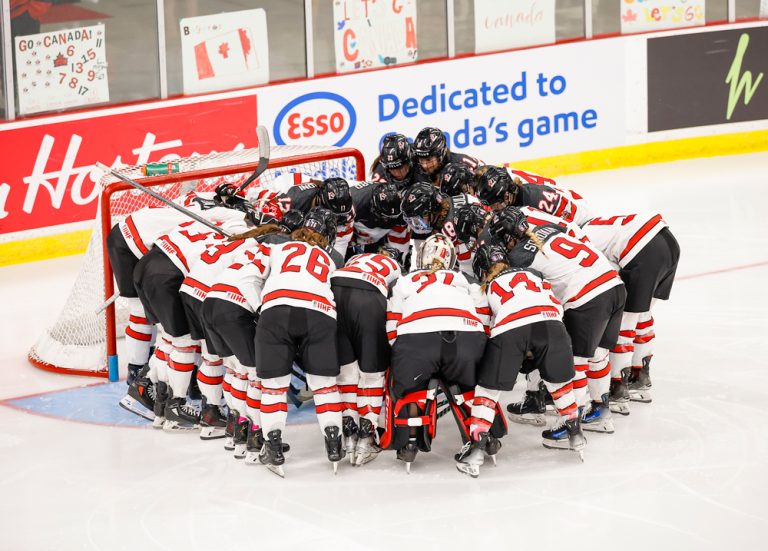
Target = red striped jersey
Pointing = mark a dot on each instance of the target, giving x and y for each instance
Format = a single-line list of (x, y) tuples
[(298, 274), (204, 270), (519, 297), (377, 269), (530, 177), (621, 237), (424, 301), (536, 217), (186, 242), (243, 280), (577, 271), (556, 201)]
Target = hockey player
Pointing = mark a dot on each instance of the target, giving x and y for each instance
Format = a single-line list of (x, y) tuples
[(456, 179), (592, 296), (431, 150), (360, 290), (526, 322), (298, 318), (395, 163), (496, 189), (436, 319), (378, 217), (646, 252)]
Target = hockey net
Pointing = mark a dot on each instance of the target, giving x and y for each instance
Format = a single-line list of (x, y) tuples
[(82, 341)]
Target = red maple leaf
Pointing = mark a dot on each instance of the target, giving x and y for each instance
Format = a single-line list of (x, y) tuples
[(630, 16), (224, 50)]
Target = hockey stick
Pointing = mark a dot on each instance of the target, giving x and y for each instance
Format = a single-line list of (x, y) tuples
[(162, 199), (263, 135), (107, 302)]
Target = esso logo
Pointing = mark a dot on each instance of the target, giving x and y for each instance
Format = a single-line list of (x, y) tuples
[(319, 118)]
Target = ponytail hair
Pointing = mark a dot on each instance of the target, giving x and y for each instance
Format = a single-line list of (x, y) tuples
[(536, 241), (310, 236), (375, 164), (256, 232)]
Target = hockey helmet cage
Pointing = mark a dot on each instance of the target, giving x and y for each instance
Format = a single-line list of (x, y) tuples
[(430, 142), (393, 253), (395, 151), (291, 220), (469, 221), (436, 248), (385, 202), (485, 257), (323, 221), (456, 178), (493, 184), (508, 224), (335, 196), (418, 204)]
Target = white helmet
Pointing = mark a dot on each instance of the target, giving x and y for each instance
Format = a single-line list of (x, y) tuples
[(439, 248)]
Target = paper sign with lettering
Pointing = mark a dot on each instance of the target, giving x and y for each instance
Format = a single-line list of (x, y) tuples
[(374, 34), (225, 50), (507, 24), (654, 15), (61, 69)]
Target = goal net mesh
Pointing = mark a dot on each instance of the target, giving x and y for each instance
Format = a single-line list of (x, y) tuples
[(76, 342)]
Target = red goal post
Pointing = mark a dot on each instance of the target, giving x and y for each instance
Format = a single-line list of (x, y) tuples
[(83, 341)]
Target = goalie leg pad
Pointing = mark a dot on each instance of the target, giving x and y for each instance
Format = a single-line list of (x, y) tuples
[(414, 412)]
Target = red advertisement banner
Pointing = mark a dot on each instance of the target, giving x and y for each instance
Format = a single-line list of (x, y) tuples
[(48, 175)]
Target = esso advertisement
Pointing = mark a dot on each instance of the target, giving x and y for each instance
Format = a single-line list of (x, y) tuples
[(49, 175), (500, 108), (317, 118)]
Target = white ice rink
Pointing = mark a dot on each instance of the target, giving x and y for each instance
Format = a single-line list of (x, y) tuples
[(689, 471)]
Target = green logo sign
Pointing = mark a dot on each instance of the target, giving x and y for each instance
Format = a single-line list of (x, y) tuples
[(740, 82)]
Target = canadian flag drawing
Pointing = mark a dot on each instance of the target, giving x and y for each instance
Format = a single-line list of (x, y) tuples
[(231, 53)]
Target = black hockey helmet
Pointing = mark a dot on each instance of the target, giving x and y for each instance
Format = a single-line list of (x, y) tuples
[(323, 221), (485, 257), (335, 196), (420, 201), (507, 225), (456, 178), (393, 253), (395, 151), (385, 202), (291, 220), (430, 142), (469, 221), (493, 184)]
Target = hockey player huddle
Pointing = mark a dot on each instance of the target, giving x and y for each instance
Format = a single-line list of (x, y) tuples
[(423, 291)]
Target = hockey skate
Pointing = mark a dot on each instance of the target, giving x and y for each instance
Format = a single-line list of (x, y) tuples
[(240, 437), (180, 416), (161, 397), (229, 430), (272, 453), (408, 453), (492, 447), (640, 382), (253, 446), (134, 371), (566, 435), (140, 399), (333, 446), (598, 417), (618, 397), (472, 456), (530, 411), (367, 445), (212, 422), (350, 431)]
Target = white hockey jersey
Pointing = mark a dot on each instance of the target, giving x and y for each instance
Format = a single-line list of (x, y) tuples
[(425, 302), (142, 228), (376, 269), (242, 281), (205, 269), (530, 177), (519, 297), (577, 271), (621, 237), (536, 217), (186, 242), (298, 274)]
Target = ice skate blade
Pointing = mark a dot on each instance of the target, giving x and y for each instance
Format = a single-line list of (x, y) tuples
[(252, 458), (158, 422), (535, 419), (129, 404), (176, 427), (239, 451), (642, 396), (335, 467), (493, 458), (606, 427), (277, 469), (407, 467), (229, 444), (211, 433), (363, 458), (621, 408), (470, 470)]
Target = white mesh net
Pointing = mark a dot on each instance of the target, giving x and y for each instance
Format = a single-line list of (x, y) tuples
[(77, 341)]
